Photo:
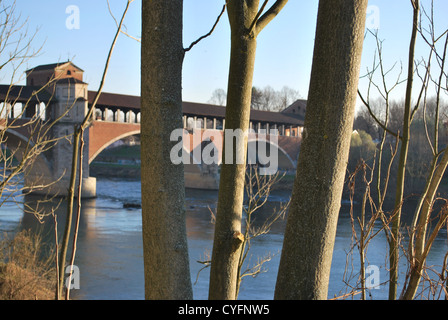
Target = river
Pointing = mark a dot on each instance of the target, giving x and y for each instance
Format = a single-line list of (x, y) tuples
[(109, 251)]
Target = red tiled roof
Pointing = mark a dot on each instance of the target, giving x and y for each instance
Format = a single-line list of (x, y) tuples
[(114, 100), (21, 94), (297, 103), (52, 66), (129, 102)]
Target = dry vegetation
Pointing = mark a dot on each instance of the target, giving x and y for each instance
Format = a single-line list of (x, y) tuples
[(26, 271)]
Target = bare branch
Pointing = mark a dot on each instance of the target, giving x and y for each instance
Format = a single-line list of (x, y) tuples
[(258, 16), (210, 32), (269, 15), (375, 118), (78, 149), (118, 24)]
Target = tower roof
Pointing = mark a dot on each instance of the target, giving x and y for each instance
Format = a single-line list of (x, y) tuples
[(53, 66), (298, 103)]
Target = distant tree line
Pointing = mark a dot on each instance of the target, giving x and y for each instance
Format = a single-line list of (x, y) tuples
[(266, 99), (364, 121), (367, 134)]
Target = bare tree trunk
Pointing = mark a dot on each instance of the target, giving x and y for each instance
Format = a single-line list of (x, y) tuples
[(228, 237), (422, 243), (405, 137), (166, 262), (312, 219), (246, 22), (76, 169)]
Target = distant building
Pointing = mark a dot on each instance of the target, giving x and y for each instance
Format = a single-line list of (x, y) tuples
[(41, 75), (298, 108), (54, 92), (57, 92)]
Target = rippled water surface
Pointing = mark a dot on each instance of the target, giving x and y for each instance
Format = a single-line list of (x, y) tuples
[(109, 252)]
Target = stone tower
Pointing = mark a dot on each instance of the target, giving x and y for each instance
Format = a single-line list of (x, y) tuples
[(68, 107)]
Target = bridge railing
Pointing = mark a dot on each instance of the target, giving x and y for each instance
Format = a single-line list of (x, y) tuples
[(22, 111), (194, 122), (127, 115), (117, 115)]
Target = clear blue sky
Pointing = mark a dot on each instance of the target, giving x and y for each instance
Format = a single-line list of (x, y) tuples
[(284, 53)]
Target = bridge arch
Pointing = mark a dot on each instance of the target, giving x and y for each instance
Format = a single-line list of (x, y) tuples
[(15, 142), (285, 162), (103, 146), (193, 166)]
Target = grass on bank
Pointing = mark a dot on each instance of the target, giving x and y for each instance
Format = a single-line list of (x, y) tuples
[(24, 273)]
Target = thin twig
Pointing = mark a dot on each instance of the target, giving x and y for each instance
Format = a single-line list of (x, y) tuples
[(117, 23), (78, 216), (57, 250), (78, 135), (375, 118)]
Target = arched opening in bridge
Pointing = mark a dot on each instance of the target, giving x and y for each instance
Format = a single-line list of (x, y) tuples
[(263, 153), (22, 163), (120, 157)]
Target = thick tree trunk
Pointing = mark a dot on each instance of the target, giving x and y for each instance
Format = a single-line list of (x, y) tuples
[(227, 239), (166, 262), (312, 219), (246, 22)]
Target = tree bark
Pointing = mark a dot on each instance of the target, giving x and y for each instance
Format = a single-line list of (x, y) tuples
[(227, 238), (166, 261), (245, 23), (305, 263)]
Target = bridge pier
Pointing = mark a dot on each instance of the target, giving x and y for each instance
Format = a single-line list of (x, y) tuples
[(58, 188), (50, 176), (61, 156)]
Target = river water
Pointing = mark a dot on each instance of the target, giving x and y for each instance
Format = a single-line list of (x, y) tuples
[(109, 251)]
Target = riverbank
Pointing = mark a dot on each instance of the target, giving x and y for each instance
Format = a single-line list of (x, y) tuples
[(115, 170), (133, 172)]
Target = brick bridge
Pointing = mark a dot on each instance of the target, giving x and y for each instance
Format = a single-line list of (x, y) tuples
[(65, 97)]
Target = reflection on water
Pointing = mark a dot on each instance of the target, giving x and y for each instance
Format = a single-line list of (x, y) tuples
[(109, 250)]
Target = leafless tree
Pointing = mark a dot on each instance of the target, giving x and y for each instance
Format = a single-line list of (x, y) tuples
[(17, 161), (258, 189), (269, 99), (304, 269), (75, 187), (219, 97), (431, 73), (247, 20)]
